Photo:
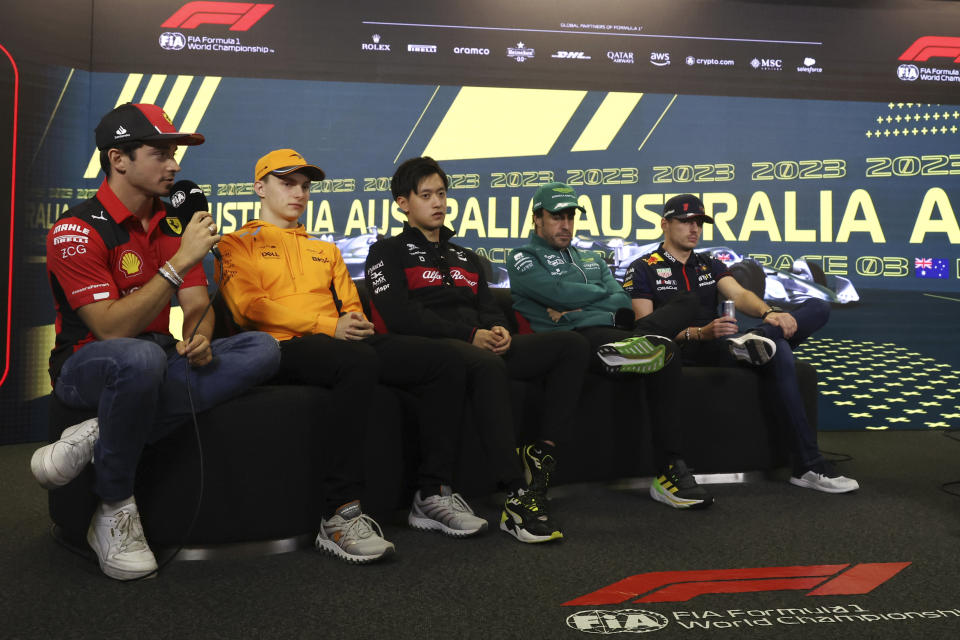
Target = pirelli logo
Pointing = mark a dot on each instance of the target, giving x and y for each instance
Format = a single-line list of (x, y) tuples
[(239, 15), (191, 94)]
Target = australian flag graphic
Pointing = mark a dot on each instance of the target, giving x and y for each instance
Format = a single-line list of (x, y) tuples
[(930, 267)]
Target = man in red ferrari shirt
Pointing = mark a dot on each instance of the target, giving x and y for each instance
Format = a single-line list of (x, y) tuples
[(113, 261)]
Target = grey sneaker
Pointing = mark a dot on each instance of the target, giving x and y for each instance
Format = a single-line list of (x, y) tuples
[(823, 477), (752, 348), (353, 536), (448, 513), (59, 462), (118, 540)]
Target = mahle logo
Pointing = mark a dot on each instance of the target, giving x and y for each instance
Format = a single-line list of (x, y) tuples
[(620, 621)]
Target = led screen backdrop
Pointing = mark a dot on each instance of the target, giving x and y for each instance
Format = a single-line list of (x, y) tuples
[(823, 133)]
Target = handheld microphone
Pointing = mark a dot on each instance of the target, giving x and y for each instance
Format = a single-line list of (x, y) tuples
[(187, 198)]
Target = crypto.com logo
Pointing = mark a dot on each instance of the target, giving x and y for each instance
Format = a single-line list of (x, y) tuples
[(239, 15), (681, 586), (932, 47)]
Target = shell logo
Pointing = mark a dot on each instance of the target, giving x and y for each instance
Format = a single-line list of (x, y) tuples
[(130, 263)]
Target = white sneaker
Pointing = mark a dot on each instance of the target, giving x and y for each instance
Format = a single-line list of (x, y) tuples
[(448, 513), (118, 540), (752, 348), (59, 462), (823, 482), (353, 536)]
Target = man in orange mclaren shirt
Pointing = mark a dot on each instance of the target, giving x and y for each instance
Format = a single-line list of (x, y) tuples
[(281, 280)]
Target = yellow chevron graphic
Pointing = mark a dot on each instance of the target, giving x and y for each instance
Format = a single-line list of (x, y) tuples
[(494, 122), (171, 106), (607, 121)]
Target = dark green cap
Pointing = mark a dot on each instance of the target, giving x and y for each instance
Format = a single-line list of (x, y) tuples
[(555, 196)]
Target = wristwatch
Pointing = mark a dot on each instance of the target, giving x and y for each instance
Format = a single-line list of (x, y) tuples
[(769, 311)]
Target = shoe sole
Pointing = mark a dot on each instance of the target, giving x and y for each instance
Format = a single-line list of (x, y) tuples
[(615, 363), (329, 546), (747, 348), (41, 462), (525, 536), (800, 482), (115, 572), (422, 523), (658, 493)]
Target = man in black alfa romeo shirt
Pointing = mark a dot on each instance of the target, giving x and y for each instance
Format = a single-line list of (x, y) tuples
[(674, 269), (422, 284)]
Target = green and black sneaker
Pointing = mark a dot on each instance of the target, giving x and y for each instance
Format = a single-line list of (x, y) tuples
[(677, 487), (525, 517), (538, 466)]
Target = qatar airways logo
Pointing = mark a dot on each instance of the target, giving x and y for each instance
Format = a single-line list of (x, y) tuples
[(239, 15)]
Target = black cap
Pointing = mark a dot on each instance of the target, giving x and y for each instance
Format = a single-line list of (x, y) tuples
[(685, 207), (140, 123)]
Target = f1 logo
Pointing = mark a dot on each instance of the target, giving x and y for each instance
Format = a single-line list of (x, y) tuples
[(239, 15), (680, 586), (932, 47)]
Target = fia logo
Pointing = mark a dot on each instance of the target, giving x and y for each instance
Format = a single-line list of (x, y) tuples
[(617, 621), (172, 41)]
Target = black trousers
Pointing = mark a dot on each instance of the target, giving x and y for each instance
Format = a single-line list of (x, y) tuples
[(429, 369), (558, 359), (663, 391)]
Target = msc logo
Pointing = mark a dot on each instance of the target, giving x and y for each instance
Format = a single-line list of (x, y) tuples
[(622, 621), (932, 47), (571, 55), (767, 64), (908, 72), (659, 59), (239, 15), (172, 41), (681, 586)]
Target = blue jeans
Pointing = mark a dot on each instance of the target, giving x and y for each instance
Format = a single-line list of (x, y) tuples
[(779, 375), (140, 392)]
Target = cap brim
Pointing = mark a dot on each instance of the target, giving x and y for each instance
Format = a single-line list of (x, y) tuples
[(309, 170), (564, 207), (188, 139), (690, 216)]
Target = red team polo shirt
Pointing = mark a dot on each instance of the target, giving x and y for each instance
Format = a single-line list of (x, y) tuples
[(98, 251)]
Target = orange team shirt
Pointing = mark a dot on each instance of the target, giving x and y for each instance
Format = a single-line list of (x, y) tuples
[(284, 281)]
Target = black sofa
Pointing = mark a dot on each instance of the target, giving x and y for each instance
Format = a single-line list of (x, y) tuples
[(261, 452)]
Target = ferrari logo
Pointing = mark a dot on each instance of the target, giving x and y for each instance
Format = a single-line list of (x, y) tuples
[(175, 225)]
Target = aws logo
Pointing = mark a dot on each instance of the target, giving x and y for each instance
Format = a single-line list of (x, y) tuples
[(239, 15)]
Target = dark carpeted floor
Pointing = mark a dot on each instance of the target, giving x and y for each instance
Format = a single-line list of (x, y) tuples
[(495, 587)]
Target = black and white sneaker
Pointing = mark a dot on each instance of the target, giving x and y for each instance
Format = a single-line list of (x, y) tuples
[(538, 466), (752, 348), (677, 488), (525, 517)]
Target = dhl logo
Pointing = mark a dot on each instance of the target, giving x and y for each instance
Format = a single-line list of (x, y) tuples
[(177, 89)]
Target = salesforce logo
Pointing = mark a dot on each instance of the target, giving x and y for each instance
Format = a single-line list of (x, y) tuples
[(908, 72), (172, 41)]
